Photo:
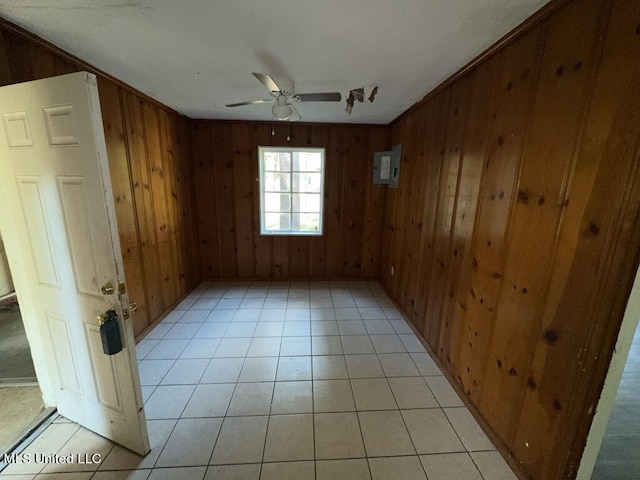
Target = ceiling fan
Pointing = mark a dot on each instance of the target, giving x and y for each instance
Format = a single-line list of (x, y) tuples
[(284, 97)]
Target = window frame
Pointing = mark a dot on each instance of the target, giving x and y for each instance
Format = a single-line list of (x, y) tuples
[(261, 180)]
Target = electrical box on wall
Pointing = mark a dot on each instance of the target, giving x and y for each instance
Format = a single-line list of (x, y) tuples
[(386, 167)]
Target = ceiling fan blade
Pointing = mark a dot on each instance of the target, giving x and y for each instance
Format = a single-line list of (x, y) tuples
[(252, 102), (268, 82), (295, 115), (320, 97)]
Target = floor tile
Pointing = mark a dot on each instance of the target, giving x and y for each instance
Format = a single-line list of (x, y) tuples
[(183, 473), (228, 304), (325, 327), (431, 432), (426, 366), (493, 466), (344, 302), (326, 345), (232, 347), (356, 469), (168, 401), (378, 327), (329, 367), (167, 349), (259, 369), (153, 371), (297, 314), (351, 327), (288, 471), (385, 434), (412, 392), (296, 329), (117, 475), (185, 372), (291, 346), (448, 466), (347, 314), (366, 302), (372, 313), (233, 472), (444, 392), (289, 438), (393, 468), (190, 443), (272, 315), (241, 440), (209, 400), (411, 343), (467, 428), (275, 302), (222, 370), (373, 394), (332, 396), (364, 366), (320, 302), (195, 316), (294, 368), (264, 347), (397, 365), (292, 397), (212, 330), (183, 330), (399, 325), (159, 331), (251, 399), (337, 436), (353, 344), (144, 347), (252, 303), (203, 304), (323, 314), (301, 303), (247, 315), (200, 348), (221, 316), (387, 344), (240, 330), (268, 329)]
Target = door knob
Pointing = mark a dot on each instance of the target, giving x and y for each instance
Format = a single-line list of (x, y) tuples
[(107, 289)]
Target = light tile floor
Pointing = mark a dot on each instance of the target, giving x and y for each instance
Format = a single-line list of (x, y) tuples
[(286, 380)]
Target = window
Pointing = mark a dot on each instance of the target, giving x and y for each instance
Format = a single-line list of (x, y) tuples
[(291, 190)]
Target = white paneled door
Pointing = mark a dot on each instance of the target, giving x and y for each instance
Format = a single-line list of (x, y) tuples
[(57, 217)]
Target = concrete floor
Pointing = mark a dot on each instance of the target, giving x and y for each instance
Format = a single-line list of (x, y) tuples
[(619, 458)]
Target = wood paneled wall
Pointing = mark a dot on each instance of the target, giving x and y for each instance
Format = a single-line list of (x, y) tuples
[(515, 233), (151, 171), (225, 156)]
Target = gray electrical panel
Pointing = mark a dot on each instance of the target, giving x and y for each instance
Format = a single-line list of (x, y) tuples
[(386, 167)]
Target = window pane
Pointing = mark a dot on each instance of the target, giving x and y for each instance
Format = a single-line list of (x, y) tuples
[(307, 182), (305, 222), (277, 182), (277, 161), (304, 202), (277, 202), (277, 221), (307, 161)]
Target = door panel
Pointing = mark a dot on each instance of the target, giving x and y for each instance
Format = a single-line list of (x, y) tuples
[(61, 237)]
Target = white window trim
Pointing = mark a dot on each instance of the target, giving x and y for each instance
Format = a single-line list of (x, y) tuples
[(263, 230)]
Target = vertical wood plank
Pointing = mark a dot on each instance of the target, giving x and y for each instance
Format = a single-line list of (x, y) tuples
[(112, 119), (243, 197)]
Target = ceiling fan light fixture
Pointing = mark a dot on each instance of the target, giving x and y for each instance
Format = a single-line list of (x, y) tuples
[(281, 110)]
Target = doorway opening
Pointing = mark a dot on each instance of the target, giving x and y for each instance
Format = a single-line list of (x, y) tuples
[(21, 406)]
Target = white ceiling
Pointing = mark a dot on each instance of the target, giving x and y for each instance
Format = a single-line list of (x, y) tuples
[(197, 55)]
